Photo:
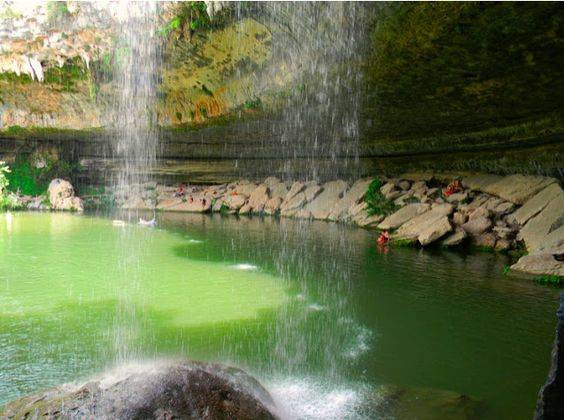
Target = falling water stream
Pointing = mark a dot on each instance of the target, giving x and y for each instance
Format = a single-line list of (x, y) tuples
[(311, 309)]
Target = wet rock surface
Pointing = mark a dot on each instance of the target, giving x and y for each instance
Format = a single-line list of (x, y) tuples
[(164, 390), (550, 402)]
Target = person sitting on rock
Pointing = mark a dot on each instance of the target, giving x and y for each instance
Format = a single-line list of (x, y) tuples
[(181, 192)]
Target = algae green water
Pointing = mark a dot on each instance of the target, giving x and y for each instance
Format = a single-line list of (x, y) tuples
[(312, 309)]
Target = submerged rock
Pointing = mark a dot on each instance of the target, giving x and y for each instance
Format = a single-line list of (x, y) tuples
[(163, 390), (425, 403)]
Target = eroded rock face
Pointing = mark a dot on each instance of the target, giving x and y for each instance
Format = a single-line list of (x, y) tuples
[(163, 390), (61, 196)]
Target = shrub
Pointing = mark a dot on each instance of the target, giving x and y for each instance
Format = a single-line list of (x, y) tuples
[(552, 280), (377, 203)]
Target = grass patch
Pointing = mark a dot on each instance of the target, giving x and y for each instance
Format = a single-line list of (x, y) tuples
[(28, 180), (551, 280)]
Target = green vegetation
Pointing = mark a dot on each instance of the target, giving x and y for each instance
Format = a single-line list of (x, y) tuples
[(64, 78), (7, 200), (29, 180), (551, 280), (377, 203), (254, 103), (458, 67), (57, 11), (191, 16)]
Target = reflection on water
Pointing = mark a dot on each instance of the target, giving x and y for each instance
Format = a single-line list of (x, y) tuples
[(313, 309)]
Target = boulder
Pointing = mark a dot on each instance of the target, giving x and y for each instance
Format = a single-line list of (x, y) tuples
[(341, 210), (363, 219), (273, 205), (321, 204), (404, 185), (535, 205), (235, 202), (477, 225), (296, 188), (434, 231), (484, 240), (504, 208), (457, 197), (551, 218), (550, 404), (295, 203), (459, 218), (420, 224), (395, 220), (387, 188), (161, 390), (454, 238), (502, 245), (258, 198), (278, 190), (478, 212), (312, 191), (61, 196), (193, 204), (515, 188), (545, 262)]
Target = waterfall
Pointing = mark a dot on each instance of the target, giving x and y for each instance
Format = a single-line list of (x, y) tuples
[(136, 63), (135, 71)]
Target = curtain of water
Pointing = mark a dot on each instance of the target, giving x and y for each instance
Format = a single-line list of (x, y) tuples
[(136, 63), (320, 43)]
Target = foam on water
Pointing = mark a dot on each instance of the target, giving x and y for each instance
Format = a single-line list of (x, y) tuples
[(245, 267), (308, 398)]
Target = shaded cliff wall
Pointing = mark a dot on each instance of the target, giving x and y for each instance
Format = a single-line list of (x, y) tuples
[(329, 90)]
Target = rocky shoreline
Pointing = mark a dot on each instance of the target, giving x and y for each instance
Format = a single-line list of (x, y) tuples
[(521, 214)]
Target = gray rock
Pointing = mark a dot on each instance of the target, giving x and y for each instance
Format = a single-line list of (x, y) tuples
[(350, 198), (296, 188), (457, 197), (61, 196), (278, 190), (504, 208), (478, 213), (484, 240), (163, 390), (550, 404), (434, 231), (535, 205), (540, 226), (454, 238), (477, 225), (515, 188), (258, 199), (404, 185), (322, 204), (414, 227), (272, 206), (459, 218), (363, 219), (235, 202), (545, 262), (404, 214), (387, 188)]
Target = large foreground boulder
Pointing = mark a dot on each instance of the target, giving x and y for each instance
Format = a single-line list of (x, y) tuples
[(550, 402), (61, 196), (161, 390)]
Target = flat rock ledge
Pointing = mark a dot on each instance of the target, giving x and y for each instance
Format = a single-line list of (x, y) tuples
[(492, 212), (160, 390)]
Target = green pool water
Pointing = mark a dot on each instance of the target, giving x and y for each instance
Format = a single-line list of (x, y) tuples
[(314, 310)]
